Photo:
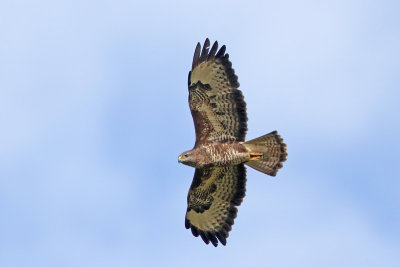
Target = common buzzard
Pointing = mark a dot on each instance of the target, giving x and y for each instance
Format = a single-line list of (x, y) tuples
[(220, 151)]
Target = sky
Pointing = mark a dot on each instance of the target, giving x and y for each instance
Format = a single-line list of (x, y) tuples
[(93, 114)]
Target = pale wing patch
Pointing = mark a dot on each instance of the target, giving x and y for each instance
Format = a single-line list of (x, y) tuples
[(212, 201), (212, 73), (211, 219), (214, 99)]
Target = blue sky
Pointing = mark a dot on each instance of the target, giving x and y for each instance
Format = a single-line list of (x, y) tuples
[(93, 114)]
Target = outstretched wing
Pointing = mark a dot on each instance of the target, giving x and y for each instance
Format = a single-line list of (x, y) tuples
[(217, 106), (213, 196)]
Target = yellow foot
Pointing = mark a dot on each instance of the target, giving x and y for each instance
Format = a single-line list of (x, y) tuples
[(256, 156)]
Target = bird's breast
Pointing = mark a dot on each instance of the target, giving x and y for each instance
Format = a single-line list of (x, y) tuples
[(222, 154)]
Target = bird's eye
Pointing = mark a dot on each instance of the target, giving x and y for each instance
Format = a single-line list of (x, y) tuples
[(186, 155)]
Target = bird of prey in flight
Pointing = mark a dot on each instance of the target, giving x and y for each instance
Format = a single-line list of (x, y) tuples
[(220, 152)]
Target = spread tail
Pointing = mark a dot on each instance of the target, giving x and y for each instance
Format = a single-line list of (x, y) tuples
[(266, 153)]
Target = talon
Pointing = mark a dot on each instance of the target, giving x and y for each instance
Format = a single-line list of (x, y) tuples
[(256, 156)]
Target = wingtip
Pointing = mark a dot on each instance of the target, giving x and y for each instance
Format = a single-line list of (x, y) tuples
[(221, 51), (213, 50), (204, 237), (187, 223), (195, 232), (196, 55), (204, 50)]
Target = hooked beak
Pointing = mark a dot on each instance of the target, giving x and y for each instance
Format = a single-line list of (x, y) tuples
[(179, 159)]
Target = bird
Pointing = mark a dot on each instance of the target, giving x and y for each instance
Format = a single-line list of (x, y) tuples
[(220, 152)]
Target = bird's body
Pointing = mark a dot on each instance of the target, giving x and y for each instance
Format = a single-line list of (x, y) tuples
[(220, 151), (218, 154)]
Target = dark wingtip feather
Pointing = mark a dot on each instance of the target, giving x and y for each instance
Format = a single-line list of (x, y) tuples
[(196, 56), (204, 237), (213, 50), (229, 220), (227, 228), (221, 238), (204, 51), (221, 52), (212, 238), (195, 232)]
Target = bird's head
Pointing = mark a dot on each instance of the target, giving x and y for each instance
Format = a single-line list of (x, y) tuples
[(187, 158)]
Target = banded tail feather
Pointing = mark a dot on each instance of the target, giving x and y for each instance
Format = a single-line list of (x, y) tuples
[(266, 153)]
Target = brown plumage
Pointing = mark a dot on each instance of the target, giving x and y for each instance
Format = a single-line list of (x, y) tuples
[(220, 152)]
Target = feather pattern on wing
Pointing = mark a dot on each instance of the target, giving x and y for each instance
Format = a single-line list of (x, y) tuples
[(213, 196), (217, 106)]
